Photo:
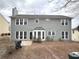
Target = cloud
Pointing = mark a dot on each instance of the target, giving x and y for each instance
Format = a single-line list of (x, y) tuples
[(40, 7)]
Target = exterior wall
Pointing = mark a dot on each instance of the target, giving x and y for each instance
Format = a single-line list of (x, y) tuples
[(75, 35), (54, 24), (4, 25)]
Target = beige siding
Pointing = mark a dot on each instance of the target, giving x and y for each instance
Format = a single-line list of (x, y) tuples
[(75, 35), (4, 25)]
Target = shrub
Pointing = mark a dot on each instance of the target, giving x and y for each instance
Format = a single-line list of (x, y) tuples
[(49, 38)]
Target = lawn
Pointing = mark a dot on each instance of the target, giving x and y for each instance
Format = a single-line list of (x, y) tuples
[(44, 50)]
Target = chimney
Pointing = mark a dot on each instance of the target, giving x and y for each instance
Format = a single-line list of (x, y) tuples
[(14, 11)]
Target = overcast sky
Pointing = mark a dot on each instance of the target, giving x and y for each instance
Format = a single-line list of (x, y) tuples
[(41, 7)]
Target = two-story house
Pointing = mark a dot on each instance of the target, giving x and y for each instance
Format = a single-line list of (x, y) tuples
[(32, 27)]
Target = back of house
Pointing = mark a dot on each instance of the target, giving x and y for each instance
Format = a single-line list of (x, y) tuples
[(43, 27)]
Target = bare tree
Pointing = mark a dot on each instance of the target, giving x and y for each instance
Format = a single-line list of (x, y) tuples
[(65, 5)]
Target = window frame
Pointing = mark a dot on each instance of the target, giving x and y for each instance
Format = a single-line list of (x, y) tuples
[(37, 20), (16, 21), (21, 35), (17, 35), (64, 22), (25, 36)]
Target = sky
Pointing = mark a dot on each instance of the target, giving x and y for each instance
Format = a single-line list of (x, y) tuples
[(49, 7)]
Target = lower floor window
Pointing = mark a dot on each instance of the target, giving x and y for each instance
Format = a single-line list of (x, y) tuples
[(65, 35), (17, 34), (25, 35), (21, 35), (43, 35)]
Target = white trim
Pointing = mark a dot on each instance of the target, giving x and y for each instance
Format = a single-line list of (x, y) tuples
[(65, 20), (23, 34), (65, 34), (15, 21), (19, 21), (41, 33), (23, 21), (27, 21)]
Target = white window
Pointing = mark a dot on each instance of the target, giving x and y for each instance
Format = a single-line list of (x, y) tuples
[(65, 35), (21, 21), (17, 35), (25, 35), (25, 21), (64, 22), (21, 35), (17, 21)]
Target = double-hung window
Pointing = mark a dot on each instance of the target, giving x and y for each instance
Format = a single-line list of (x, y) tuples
[(64, 22), (64, 35), (25, 35), (17, 21), (17, 35), (21, 35)]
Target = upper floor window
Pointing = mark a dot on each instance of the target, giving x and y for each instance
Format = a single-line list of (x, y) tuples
[(21, 21), (17, 21), (43, 35), (63, 35), (25, 21), (64, 22), (66, 34)]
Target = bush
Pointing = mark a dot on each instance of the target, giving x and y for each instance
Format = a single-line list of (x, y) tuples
[(49, 38)]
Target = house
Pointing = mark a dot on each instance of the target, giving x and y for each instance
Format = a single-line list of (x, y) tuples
[(4, 25), (34, 27), (75, 34)]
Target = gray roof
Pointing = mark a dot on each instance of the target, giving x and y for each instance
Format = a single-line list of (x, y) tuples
[(77, 28), (39, 28), (43, 16)]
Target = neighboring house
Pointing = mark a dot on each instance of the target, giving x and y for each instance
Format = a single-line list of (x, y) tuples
[(33, 27), (4, 25), (75, 34)]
